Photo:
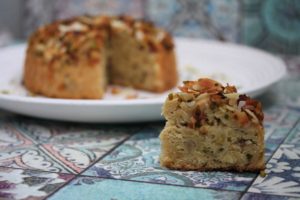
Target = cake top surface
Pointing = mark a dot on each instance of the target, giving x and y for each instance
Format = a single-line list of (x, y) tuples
[(244, 107), (71, 35)]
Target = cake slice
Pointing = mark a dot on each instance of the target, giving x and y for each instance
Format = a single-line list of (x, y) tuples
[(212, 127), (141, 55)]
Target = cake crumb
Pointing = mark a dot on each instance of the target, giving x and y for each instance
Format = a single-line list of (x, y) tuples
[(262, 173), (30, 94), (5, 92), (131, 96), (115, 90)]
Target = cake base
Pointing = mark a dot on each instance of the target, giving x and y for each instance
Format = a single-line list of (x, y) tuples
[(212, 148)]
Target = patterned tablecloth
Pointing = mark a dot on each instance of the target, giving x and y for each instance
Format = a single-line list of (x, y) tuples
[(56, 160)]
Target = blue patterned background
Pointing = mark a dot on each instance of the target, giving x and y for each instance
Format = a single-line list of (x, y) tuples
[(273, 25)]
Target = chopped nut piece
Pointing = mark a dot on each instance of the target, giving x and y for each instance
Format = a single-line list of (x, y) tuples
[(170, 96), (116, 90), (5, 92), (131, 96), (263, 173), (75, 26), (229, 89)]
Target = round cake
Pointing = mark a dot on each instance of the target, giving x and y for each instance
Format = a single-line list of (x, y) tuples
[(77, 58)]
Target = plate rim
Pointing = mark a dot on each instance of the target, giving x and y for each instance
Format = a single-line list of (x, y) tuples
[(151, 101)]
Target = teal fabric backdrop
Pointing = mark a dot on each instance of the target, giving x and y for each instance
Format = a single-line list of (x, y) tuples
[(273, 25)]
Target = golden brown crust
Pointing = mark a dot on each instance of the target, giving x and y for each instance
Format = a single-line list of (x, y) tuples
[(168, 72), (66, 59), (78, 82)]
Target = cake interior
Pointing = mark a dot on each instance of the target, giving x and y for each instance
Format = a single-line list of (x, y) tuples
[(211, 147), (130, 62)]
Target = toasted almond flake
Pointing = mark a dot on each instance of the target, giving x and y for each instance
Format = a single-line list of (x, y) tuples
[(191, 104), (232, 95), (185, 96), (229, 108), (75, 26), (254, 118), (86, 20), (160, 36), (118, 24), (196, 87), (222, 109), (139, 35), (232, 102), (241, 104), (248, 142), (40, 47), (202, 96)]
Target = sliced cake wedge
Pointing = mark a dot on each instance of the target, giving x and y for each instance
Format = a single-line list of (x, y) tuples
[(212, 127)]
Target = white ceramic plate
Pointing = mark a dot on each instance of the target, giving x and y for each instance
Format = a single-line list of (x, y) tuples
[(252, 71)]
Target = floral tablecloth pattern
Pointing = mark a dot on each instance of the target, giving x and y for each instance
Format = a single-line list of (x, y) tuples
[(61, 160)]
